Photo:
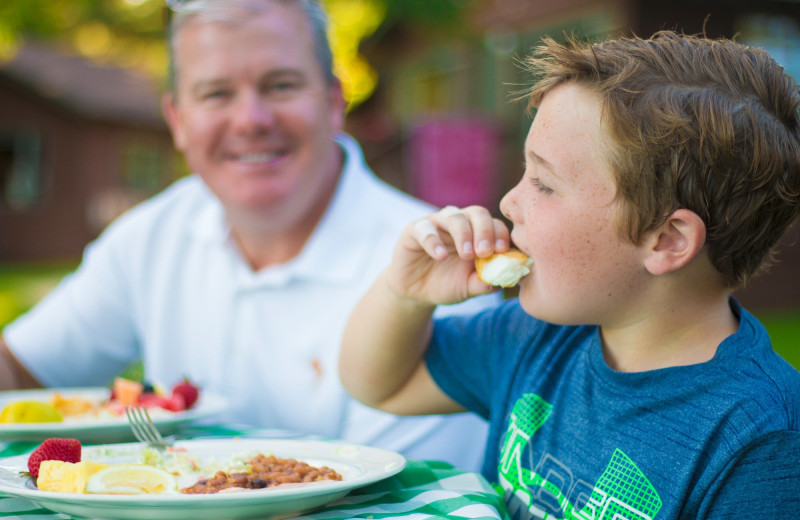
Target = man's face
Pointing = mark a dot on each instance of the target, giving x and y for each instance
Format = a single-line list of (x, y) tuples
[(254, 115), (564, 216)]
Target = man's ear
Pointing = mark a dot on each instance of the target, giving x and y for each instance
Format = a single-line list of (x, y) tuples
[(337, 105), (675, 243), (173, 119)]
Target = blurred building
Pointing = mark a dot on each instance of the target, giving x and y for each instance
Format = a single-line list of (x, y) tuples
[(442, 124), (79, 143)]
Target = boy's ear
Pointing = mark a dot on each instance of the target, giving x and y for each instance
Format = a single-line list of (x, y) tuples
[(675, 243)]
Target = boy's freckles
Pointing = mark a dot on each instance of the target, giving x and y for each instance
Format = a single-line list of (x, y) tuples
[(582, 264)]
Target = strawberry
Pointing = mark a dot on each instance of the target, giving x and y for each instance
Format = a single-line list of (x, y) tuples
[(174, 403), (68, 450), (189, 391)]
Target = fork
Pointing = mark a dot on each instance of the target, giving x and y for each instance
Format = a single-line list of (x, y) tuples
[(143, 428)]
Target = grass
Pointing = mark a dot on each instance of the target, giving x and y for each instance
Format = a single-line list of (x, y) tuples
[(784, 330), (22, 286)]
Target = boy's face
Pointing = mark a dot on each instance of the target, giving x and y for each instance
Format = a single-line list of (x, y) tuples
[(564, 217)]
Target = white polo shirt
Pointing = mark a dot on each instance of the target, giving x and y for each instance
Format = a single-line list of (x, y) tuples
[(165, 283)]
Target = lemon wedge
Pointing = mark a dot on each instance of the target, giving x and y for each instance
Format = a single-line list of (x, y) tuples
[(131, 479), (29, 412)]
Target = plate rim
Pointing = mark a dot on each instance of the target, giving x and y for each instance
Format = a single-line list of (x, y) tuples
[(208, 404)]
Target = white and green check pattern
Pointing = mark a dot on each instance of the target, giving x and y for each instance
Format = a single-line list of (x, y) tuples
[(423, 490)]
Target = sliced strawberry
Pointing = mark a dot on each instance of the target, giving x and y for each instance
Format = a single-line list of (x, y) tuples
[(173, 403), (68, 450), (189, 391)]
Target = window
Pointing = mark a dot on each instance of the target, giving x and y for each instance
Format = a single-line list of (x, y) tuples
[(20, 170), (144, 167)]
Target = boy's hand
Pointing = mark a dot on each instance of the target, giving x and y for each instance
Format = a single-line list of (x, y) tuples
[(434, 260)]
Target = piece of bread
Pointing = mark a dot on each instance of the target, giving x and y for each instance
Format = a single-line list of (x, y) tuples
[(503, 269)]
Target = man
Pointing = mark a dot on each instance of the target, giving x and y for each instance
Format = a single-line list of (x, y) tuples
[(232, 276)]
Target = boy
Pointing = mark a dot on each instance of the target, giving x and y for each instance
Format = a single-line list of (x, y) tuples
[(625, 382)]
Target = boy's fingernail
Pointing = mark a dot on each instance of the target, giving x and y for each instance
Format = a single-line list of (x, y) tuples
[(500, 243), (440, 251), (484, 245), (467, 247)]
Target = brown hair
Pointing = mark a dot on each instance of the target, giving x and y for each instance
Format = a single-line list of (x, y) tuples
[(708, 125)]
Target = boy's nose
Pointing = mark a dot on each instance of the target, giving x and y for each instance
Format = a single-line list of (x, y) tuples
[(507, 204)]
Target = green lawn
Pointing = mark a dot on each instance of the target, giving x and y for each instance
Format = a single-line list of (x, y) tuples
[(784, 329), (22, 286)]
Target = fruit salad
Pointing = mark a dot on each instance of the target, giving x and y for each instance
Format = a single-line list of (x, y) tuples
[(124, 392)]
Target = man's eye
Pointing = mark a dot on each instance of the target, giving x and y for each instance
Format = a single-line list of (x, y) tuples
[(281, 87), (215, 94)]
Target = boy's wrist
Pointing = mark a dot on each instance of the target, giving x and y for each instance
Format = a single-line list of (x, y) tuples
[(404, 300)]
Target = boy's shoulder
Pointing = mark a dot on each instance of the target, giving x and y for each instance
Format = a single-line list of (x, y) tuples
[(765, 384)]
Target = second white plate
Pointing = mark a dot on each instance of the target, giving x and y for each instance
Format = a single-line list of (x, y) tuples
[(97, 430)]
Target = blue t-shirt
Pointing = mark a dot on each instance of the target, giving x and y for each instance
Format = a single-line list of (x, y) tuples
[(572, 438)]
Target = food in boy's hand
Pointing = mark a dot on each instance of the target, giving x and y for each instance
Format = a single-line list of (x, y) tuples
[(29, 412), (66, 477), (264, 472), (503, 269), (67, 450)]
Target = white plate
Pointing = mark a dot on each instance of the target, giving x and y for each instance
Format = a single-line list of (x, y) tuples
[(358, 465), (97, 430)]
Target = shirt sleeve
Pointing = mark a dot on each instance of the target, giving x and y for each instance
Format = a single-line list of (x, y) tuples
[(762, 482), (468, 355), (82, 332)]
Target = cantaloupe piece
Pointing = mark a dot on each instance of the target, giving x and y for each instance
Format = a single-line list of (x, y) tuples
[(127, 392)]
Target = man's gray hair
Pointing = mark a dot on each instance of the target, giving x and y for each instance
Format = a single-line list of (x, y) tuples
[(236, 11)]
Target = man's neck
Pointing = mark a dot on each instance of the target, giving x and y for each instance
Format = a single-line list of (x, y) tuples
[(262, 247), (279, 234)]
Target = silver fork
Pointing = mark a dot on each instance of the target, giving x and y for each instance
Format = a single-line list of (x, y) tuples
[(143, 428)]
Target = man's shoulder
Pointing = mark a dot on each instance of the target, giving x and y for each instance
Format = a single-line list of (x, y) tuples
[(161, 219), (396, 204), (183, 197), (186, 191)]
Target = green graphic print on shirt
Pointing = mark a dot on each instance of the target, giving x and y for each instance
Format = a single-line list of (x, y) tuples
[(550, 492)]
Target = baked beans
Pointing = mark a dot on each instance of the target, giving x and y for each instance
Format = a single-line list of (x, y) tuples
[(267, 471)]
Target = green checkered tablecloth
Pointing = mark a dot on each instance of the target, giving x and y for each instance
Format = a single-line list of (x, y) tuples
[(423, 490)]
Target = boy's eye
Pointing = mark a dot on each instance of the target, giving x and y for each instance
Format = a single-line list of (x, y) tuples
[(537, 183)]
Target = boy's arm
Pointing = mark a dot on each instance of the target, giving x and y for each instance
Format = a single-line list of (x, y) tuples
[(12, 374), (382, 358)]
